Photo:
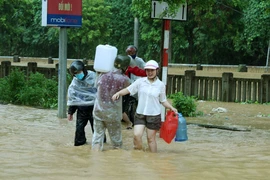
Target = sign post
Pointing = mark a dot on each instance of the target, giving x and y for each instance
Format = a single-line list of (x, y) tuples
[(62, 74), (63, 14), (165, 54), (160, 11), (166, 41)]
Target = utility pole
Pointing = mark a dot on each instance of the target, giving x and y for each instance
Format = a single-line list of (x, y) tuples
[(136, 32), (165, 56), (267, 58), (62, 73)]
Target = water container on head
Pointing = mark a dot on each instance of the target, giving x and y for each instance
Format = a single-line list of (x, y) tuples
[(181, 133), (104, 58)]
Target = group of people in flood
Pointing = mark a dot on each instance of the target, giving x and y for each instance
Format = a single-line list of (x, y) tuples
[(102, 97)]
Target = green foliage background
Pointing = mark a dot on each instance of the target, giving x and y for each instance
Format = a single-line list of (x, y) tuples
[(35, 90), (227, 32)]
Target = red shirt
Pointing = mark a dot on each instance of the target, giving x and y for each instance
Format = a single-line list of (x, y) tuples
[(136, 71)]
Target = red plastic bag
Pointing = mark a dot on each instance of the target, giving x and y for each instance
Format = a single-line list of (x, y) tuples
[(169, 127)]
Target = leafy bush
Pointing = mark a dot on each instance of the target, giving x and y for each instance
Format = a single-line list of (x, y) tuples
[(185, 104), (10, 86), (51, 94), (36, 90), (39, 91)]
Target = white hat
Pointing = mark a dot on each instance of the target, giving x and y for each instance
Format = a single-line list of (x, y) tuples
[(151, 64)]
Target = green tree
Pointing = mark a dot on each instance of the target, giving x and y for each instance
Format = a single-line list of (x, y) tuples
[(150, 30), (21, 31), (14, 19), (216, 32), (121, 24), (253, 41), (82, 41), (211, 33), (39, 40)]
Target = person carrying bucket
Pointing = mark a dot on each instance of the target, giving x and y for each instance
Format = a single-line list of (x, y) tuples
[(108, 113), (151, 93)]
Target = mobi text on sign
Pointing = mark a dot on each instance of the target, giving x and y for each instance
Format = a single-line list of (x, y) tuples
[(67, 13)]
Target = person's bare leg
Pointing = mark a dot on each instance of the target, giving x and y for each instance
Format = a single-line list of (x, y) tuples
[(138, 133), (127, 120), (151, 139)]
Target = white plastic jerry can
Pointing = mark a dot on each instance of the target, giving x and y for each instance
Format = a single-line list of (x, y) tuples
[(104, 58)]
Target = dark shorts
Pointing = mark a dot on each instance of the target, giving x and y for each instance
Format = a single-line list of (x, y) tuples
[(151, 122)]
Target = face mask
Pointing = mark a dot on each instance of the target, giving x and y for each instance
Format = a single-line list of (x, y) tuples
[(79, 76), (133, 56)]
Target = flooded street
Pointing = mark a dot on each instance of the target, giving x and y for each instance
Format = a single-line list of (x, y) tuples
[(35, 144)]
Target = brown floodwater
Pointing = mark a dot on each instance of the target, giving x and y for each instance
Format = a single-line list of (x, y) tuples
[(35, 144)]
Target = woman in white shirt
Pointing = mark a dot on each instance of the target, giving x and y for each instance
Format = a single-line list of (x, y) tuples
[(151, 93)]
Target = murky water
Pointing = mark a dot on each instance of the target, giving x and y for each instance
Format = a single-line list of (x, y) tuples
[(35, 144)]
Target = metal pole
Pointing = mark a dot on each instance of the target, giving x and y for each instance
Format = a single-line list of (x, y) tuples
[(62, 73), (166, 40), (267, 58), (136, 32), (165, 50)]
